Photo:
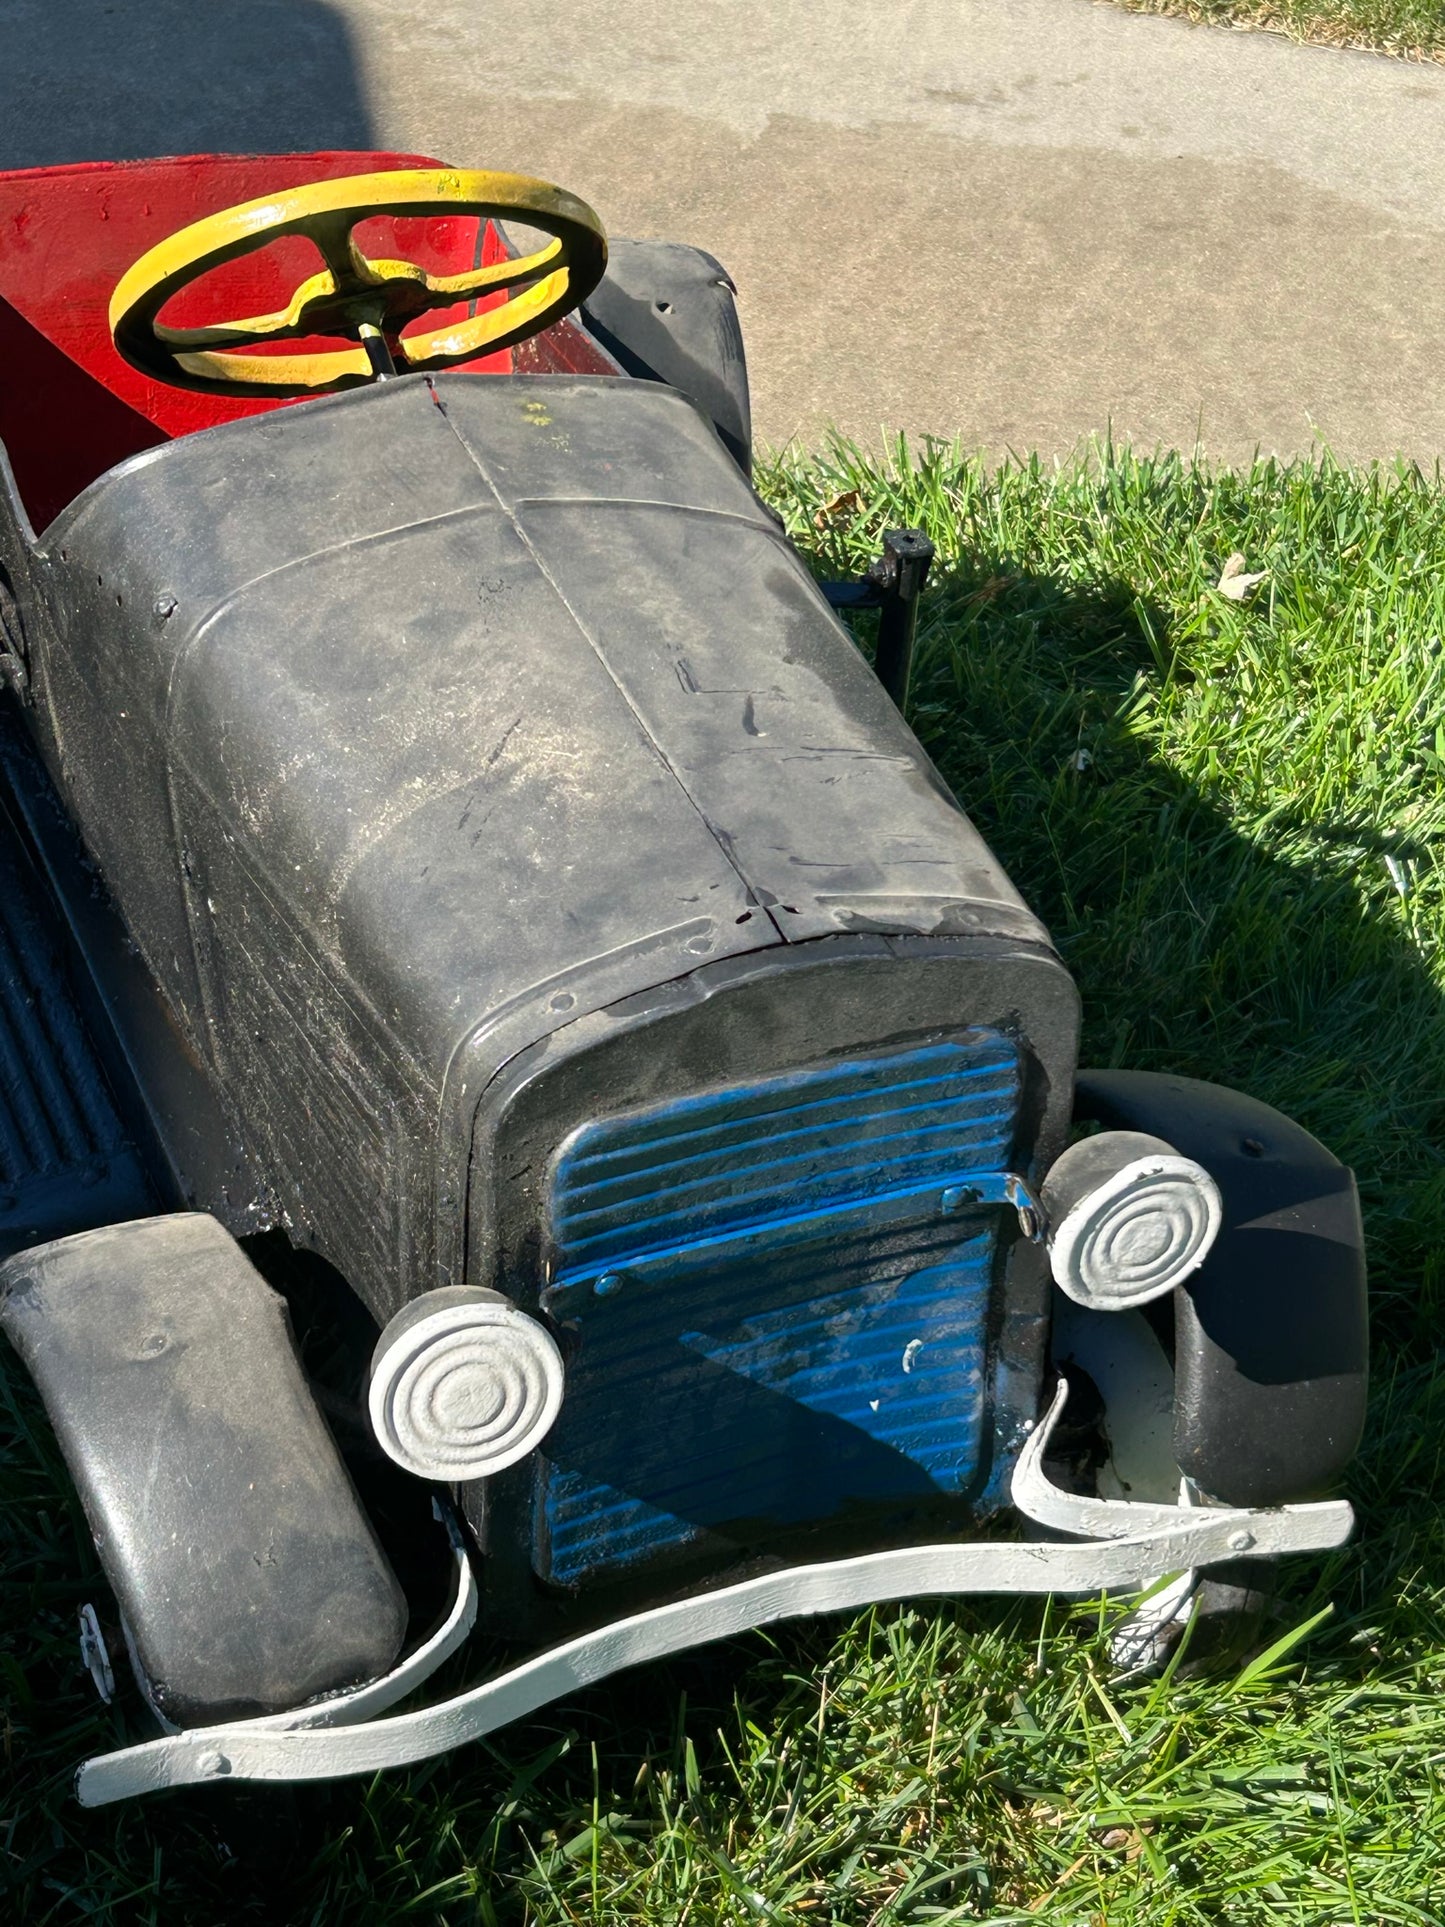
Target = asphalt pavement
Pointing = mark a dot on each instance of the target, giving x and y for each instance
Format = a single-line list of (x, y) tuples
[(1016, 221)]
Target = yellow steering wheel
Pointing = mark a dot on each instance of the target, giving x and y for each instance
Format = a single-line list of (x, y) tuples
[(372, 300)]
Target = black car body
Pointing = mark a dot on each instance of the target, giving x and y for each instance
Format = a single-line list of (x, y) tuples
[(454, 842)]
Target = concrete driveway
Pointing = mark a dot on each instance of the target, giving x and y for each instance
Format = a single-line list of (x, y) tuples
[(1012, 220)]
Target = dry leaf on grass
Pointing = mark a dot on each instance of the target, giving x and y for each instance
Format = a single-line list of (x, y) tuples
[(1234, 583), (842, 508)]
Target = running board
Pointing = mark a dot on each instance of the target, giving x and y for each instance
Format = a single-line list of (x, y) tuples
[(67, 1162)]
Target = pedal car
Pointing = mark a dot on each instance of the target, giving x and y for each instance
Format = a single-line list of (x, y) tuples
[(463, 886)]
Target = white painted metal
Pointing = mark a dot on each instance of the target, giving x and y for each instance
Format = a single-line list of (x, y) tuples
[(466, 1390), (363, 1702), (1133, 1237), (1233, 1529), (1164, 1540), (1122, 1355), (1124, 1358), (94, 1656), (1142, 1639)]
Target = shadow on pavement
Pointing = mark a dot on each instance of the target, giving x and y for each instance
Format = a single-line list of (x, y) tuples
[(130, 79)]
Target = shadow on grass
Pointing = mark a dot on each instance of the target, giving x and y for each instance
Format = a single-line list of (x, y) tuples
[(1250, 960), (1256, 960)]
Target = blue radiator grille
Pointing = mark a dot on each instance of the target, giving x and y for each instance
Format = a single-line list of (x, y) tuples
[(778, 1322), (726, 1159)]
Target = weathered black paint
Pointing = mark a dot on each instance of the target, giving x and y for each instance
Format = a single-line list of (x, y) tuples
[(666, 313), (246, 1570), (410, 726), (1271, 1344), (468, 759)]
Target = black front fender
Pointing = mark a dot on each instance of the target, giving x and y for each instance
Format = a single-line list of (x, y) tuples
[(1271, 1333)]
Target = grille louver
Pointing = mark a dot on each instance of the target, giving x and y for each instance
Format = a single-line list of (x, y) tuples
[(862, 1130)]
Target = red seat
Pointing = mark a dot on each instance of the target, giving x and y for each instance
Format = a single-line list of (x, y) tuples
[(70, 408)]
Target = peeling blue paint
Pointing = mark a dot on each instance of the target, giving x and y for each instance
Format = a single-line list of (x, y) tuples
[(792, 1325)]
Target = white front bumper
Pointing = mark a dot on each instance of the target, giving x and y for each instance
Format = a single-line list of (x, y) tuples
[(1126, 1546)]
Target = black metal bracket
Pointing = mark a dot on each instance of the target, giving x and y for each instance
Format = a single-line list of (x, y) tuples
[(893, 584)]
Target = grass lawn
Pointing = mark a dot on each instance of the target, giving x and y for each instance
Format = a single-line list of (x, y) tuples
[(1415, 28), (1231, 814)]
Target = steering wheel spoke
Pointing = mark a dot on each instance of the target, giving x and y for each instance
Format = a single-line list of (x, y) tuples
[(497, 327), (370, 300), (286, 324), (333, 235), (501, 275)]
